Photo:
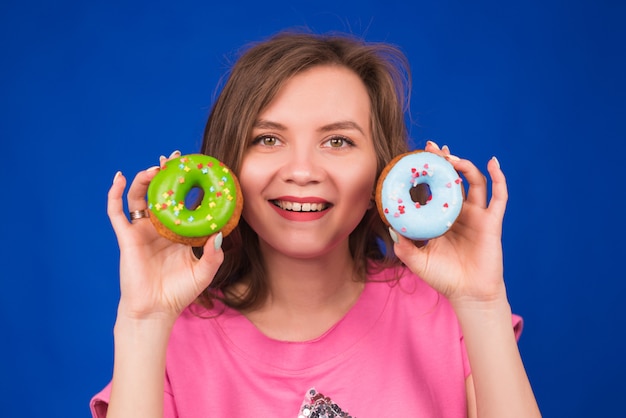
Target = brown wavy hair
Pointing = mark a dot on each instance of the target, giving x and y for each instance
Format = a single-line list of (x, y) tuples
[(253, 82)]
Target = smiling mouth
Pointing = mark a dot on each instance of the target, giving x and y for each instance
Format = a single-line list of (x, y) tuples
[(300, 207)]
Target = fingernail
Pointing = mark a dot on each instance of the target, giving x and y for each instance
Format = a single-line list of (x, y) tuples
[(175, 154), (433, 144), (154, 167), (496, 161), (117, 176), (453, 157), (393, 235), (217, 243), (446, 149)]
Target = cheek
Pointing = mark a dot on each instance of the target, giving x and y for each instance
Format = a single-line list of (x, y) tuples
[(254, 176), (360, 184), (251, 174)]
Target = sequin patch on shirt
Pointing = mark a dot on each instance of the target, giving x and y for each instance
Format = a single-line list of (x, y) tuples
[(316, 405)]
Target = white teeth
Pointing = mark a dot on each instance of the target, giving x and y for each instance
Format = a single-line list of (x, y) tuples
[(300, 207)]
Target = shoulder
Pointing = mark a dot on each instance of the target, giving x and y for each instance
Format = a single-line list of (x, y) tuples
[(405, 286), (411, 295), (422, 320), (198, 321), (413, 304)]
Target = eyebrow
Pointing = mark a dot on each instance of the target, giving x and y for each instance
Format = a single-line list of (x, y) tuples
[(267, 124), (340, 125)]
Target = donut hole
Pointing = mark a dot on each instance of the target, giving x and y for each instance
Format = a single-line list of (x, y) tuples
[(193, 198), (421, 193)]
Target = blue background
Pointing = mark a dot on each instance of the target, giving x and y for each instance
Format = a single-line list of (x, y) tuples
[(91, 87)]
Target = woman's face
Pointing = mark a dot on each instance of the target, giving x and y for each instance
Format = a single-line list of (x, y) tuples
[(309, 173)]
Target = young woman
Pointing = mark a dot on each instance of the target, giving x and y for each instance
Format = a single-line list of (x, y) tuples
[(311, 307)]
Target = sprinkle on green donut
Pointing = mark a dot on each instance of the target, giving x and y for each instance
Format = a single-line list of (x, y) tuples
[(169, 188)]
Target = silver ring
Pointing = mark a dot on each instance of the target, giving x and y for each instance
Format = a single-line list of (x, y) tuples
[(138, 214)]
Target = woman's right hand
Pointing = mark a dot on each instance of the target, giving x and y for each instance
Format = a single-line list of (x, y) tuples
[(158, 278)]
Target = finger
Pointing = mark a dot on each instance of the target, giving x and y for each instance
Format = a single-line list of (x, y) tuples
[(115, 205), (444, 151), (206, 267), (499, 190), (432, 147), (139, 188), (414, 258), (163, 159), (477, 182)]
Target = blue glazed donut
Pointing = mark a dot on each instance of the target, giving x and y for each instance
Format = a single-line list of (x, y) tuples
[(420, 195)]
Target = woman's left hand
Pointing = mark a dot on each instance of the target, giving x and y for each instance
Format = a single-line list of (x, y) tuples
[(465, 264)]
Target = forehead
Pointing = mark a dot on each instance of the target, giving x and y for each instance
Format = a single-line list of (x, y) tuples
[(327, 91)]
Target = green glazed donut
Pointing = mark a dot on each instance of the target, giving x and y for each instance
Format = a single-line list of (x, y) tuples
[(219, 209)]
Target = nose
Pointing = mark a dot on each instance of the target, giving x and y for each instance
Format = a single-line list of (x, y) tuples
[(303, 166)]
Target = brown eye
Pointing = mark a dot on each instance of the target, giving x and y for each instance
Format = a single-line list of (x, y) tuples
[(336, 142), (339, 142), (266, 141)]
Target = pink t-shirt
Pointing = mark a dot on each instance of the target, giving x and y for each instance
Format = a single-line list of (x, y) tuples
[(398, 351)]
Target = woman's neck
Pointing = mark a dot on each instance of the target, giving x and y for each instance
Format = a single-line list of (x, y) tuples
[(306, 296)]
